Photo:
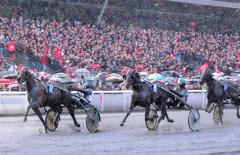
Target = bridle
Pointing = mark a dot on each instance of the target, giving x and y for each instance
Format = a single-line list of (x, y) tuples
[(135, 82)]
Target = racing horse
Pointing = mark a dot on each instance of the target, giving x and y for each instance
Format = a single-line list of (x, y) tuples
[(144, 96), (38, 95), (215, 93)]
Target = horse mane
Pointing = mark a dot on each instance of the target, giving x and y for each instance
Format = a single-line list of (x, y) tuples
[(30, 81)]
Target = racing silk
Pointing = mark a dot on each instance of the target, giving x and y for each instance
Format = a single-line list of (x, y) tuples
[(184, 93)]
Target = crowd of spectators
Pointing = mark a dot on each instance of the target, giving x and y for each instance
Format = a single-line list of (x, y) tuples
[(108, 45), (40, 27), (165, 15)]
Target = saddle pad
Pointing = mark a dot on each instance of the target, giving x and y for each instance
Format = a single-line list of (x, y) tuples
[(154, 87), (225, 87), (50, 88)]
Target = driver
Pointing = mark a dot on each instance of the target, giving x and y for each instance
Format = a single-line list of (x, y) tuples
[(182, 90), (87, 94)]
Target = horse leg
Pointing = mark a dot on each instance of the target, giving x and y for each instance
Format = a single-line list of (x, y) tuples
[(26, 114), (71, 111), (220, 112), (164, 112), (147, 109), (128, 113), (31, 105), (38, 113), (238, 115), (162, 116)]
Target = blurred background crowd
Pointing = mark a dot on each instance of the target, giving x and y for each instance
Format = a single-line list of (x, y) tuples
[(150, 36)]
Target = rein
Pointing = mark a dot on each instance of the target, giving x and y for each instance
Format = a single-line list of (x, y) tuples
[(139, 83)]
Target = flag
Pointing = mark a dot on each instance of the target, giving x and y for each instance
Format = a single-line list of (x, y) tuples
[(95, 66), (238, 57), (217, 70), (58, 55), (68, 71), (202, 67), (11, 46), (83, 54), (44, 60), (194, 24), (171, 56), (137, 51), (124, 70), (45, 50)]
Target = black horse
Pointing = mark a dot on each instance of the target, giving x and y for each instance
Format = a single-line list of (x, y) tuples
[(215, 92), (144, 96), (38, 95), (163, 97), (232, 94)]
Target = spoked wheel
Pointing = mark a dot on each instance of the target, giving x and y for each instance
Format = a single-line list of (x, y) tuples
[(216, 116), (193, 119), (152, 123), (51, 120), (92, 120)]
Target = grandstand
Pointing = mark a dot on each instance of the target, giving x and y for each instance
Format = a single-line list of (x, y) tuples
[(156, 35)]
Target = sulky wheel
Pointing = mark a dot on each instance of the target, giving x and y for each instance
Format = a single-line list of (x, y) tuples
[(193, 119), (152, 123), (51, 120), (216, 116), (92, 120)]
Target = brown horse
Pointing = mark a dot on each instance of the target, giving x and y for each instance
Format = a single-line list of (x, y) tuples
[(38, 95)]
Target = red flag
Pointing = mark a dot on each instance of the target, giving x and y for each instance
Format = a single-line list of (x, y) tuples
[(95, 66), (44, 60), (137, 51), (194, 24), (58, 55), (202, 67), (12, 56), (45, 50), (238, 57), (124, 70), (68, 71), (217, 70), (83, 54), (177, 39), (19, 67), (171, 56), (11, 46)]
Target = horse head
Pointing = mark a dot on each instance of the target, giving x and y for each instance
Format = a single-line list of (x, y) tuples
[(23, 75), (132, 78), (205, 77)]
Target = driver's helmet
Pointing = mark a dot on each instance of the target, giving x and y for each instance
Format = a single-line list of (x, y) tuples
[(181, 82)]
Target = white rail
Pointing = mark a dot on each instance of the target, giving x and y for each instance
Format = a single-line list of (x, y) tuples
[(16, 102)]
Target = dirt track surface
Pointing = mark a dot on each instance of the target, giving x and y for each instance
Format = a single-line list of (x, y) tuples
[(19, 138)]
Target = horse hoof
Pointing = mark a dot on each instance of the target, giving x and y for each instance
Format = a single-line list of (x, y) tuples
[(220, 124), (170, 120), (78, 125), (43, 131), (25, 120), (121, 124)]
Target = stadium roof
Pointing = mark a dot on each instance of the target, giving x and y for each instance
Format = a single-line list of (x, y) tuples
[(211, 3)]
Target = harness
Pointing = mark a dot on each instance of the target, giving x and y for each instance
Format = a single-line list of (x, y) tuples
[(49, 87)]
